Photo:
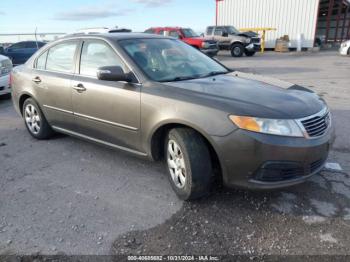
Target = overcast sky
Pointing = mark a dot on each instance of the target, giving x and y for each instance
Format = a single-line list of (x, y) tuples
[(22, 16)]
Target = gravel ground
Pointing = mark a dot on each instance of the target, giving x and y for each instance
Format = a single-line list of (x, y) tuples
[(69, 196)]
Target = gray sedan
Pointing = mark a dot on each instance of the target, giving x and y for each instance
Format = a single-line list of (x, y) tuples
[(160, 98)]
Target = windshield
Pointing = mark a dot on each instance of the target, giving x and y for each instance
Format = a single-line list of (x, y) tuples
[(165, 60), (232, 30), (189, 33)]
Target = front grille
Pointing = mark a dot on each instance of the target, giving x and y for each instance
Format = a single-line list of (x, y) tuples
[(283, 171), (255, 40), (314, 166), (212, 44), (317, 125)]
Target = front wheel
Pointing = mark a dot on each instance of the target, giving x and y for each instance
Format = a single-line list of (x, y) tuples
[(349, 51), (237, 50), (249, 53), (189, 163), (35, 120)]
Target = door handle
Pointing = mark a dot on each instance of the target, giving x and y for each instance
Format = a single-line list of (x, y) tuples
[(79, 87), (36, 80)]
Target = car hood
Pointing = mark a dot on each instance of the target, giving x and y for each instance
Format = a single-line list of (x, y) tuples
[(248, 34), (251, 95)]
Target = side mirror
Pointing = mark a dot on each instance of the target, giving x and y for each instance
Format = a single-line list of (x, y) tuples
[(112, 73), (2, 50), (180, 37)]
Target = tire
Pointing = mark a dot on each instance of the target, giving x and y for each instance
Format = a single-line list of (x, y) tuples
[(249, 53), (35, 120), (7, 96), (237, 50), (349, 51), (187, 152)]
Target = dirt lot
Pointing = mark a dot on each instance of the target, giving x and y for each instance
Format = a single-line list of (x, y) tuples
[(70, 196)]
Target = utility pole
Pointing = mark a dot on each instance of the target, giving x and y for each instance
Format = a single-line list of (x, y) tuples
[(217, 11)]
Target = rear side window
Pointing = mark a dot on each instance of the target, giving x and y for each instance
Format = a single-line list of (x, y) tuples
[(218, 31), (18, 45), (96, 54), (61, 57), (41, 61), (32, 45), (210, 30)]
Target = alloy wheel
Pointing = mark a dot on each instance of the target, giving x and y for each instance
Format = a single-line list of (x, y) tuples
[(237, 50), (32, 118), (176, 164)]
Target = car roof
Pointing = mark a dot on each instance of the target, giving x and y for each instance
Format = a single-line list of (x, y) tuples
[(29, 41), (113, 36)]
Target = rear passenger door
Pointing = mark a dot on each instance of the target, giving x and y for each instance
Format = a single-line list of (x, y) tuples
[(52, 76), (106, 111), (220, 35)]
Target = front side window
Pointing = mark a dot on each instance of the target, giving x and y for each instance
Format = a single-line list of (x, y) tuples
[(188, 33), (61, 57), (97, 54), (232, 30), (219, 31), (165, 60), (41, 61)]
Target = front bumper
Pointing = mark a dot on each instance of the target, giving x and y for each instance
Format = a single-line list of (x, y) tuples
[(259, 161), (253, 47), (5, 84), (344, 50)]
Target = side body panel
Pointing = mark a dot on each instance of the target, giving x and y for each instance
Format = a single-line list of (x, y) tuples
[(108, 111)]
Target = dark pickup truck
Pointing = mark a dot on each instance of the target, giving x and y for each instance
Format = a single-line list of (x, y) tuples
[(229, 38)]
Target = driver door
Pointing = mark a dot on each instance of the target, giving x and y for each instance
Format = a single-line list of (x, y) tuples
[(105, 111)]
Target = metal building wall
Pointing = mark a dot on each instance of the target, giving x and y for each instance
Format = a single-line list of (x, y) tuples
[(290, 17)]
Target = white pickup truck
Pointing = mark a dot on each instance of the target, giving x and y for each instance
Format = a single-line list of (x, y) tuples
[(5, 69)]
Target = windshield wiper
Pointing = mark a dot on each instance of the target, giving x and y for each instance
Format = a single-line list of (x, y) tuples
[(183, 78), (214, 73), (180, 78)]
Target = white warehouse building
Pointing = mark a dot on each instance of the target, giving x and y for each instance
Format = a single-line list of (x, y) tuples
[(308, 20)]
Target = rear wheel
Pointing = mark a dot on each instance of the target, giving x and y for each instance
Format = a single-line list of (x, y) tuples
[(35, 120), (237, 50), (189, 163), (249, 53), (349, 51)]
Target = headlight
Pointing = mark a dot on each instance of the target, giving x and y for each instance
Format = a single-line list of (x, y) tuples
[(248, 40), (5, 66), (280, 127), (205, 45)]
